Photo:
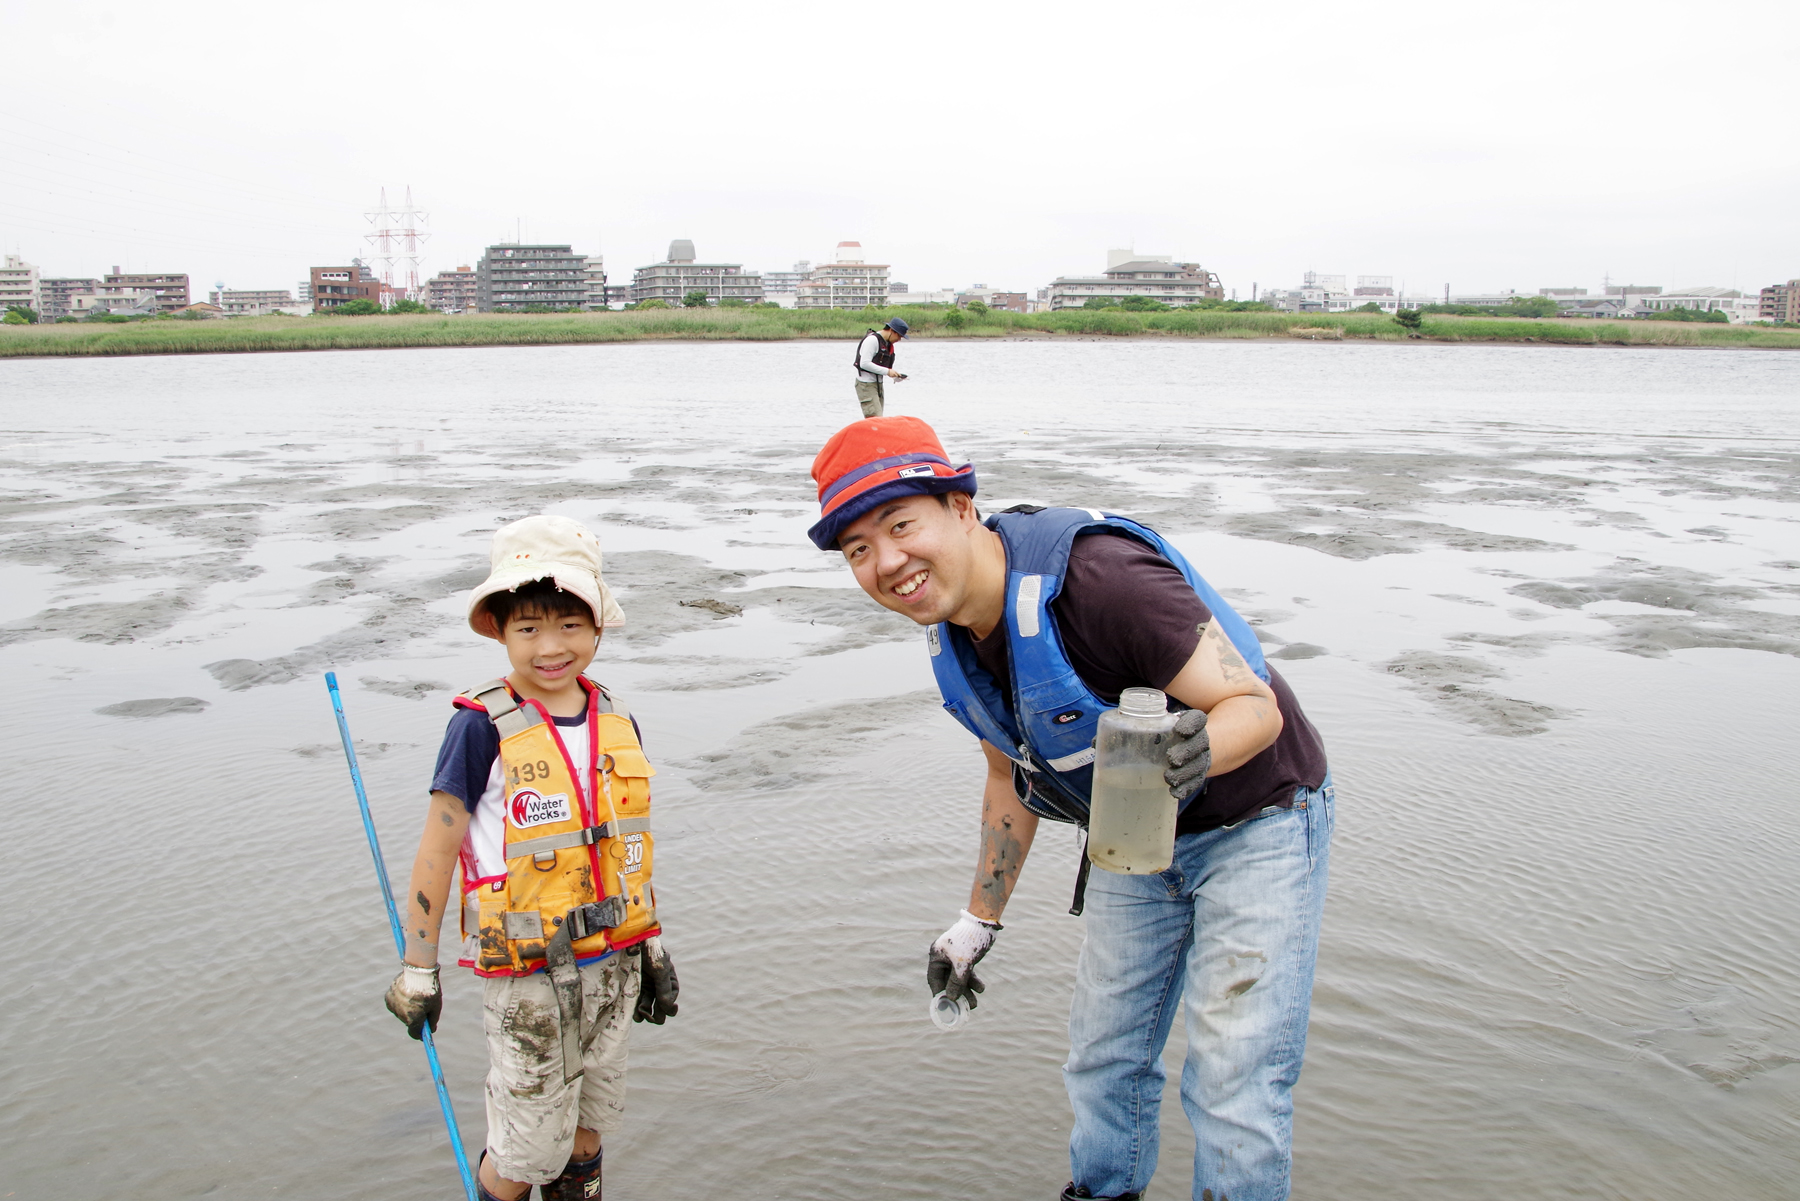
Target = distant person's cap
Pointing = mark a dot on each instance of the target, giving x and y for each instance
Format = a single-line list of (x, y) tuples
[(545, 547), (899, 326), (875, 460)]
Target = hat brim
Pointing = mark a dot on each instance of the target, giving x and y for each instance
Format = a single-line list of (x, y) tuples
[(830, 528), (574, 580)]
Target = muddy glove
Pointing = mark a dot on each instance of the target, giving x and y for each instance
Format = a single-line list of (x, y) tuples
[(1190, 756), (950, 968), (415, 998), (657, 986)]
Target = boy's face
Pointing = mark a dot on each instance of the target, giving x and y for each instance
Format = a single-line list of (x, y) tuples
[(549, 653)]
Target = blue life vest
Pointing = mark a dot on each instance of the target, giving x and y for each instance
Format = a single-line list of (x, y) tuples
[(1049, 732)]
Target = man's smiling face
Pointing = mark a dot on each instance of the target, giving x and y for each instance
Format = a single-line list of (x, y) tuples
[(914, 555)]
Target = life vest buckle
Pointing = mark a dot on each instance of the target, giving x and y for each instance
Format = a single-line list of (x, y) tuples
[(584, 921), (544, 861)]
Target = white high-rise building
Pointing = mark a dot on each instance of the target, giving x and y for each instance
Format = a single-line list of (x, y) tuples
[(18, 284), (596, 282), (782, 288), (845, 283)]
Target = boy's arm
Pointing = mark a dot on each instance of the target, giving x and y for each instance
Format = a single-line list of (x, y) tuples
[(428, 891)]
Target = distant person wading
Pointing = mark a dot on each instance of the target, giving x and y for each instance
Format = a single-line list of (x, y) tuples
[(875, 360)]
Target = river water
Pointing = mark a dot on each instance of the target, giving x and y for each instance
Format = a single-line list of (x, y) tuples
[(1543, 603)]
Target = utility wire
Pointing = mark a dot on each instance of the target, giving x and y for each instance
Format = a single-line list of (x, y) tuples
[(289, 197)]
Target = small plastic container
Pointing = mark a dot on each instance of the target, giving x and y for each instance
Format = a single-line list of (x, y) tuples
[(947, 1014), (1131, 815)]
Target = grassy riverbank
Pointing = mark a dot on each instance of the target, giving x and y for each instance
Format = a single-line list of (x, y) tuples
[(242, 335)]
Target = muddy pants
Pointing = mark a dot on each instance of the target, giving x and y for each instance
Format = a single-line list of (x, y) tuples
[(872, 398), (1226, 937), (531, 1113)]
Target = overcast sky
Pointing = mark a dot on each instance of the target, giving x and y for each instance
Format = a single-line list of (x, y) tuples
[(1481, 146)]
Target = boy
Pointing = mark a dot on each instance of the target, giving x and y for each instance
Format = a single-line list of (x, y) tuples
[(542, 797)]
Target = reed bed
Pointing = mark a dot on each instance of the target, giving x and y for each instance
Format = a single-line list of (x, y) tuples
[(263, 334)]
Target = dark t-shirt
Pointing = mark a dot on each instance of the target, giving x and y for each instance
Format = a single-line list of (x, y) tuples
[(1129, 619)]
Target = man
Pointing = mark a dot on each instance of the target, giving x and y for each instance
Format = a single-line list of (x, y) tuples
[(1037, 619), (874, 360)]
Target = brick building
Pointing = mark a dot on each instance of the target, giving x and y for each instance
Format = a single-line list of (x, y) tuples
[(334, 286)]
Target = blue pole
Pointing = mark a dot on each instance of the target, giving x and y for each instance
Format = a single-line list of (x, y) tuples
[(387, 895)]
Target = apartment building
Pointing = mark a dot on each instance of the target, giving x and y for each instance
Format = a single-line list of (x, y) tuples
[(671, 280), (248, 303), (18, 284), (1153, 276), (452, 291), (58, 296), (169, 288), (847, 282), (1779, 302), (335, 286), (785, 283), (512, 277), (596, 283)]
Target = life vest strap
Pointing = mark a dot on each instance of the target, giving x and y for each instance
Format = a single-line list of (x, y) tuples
[(578, 838), (509, 717)]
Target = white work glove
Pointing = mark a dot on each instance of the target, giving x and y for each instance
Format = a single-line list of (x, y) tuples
[(415, 998), (950, 968)]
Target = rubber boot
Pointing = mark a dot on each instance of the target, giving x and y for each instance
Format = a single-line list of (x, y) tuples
[(480, 1191), (1073, 1193), (580, 1181)]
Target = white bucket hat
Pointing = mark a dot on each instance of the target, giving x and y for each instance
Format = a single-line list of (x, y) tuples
[(545, 547)]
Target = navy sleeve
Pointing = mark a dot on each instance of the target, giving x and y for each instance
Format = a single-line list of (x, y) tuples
[(466, 760)]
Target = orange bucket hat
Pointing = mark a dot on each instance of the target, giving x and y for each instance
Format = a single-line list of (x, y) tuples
[(875, 460)]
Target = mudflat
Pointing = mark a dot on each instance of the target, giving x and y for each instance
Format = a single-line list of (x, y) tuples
[(1542, 603)]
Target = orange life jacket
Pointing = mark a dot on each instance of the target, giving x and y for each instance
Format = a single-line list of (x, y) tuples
[(577, 840)]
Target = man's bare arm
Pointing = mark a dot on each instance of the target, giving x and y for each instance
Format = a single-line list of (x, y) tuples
[(1242, 717), (429, 889), (1007, 828)]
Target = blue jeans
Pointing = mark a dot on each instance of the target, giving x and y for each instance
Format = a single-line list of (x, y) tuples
[(1234, 925)]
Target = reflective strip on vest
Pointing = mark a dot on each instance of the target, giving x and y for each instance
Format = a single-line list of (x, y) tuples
[(1028, 606), (579, 838), (1049, 725)]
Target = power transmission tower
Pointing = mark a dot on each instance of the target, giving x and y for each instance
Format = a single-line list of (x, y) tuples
[(395, 240)]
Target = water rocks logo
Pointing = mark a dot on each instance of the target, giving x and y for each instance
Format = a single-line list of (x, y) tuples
[(1063, 719), (529, 807)]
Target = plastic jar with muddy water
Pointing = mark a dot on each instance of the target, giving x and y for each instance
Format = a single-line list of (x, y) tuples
[(1131, 819)]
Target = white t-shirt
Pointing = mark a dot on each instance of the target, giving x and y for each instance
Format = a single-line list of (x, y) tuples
[(871, 343), (487, 825)]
